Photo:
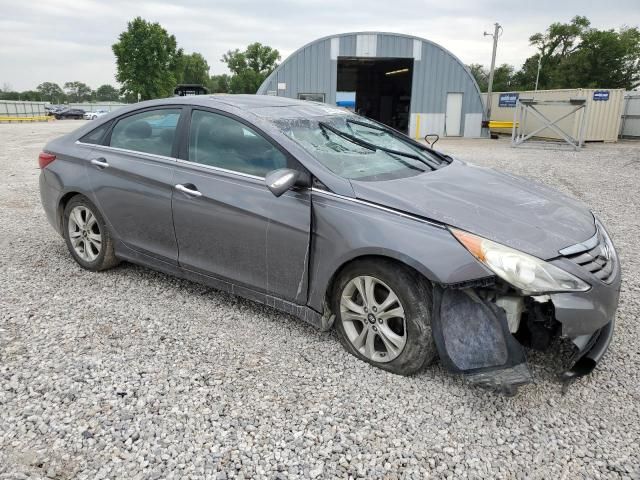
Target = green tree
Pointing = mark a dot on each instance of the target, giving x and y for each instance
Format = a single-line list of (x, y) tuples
[(606, 58), (575, 55), (107, 93), (503, 80), (502, 77), (7, 92), (525, 78), (219, 83), (194, 69), (147, 60), (31, 96), (480, 74), (77, 91), (250, 67), (51, 92)]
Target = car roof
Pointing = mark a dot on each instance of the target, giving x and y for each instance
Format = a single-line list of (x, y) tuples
[(265, 106)]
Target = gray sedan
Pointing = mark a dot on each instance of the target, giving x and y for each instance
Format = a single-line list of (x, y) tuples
[(339, 220)]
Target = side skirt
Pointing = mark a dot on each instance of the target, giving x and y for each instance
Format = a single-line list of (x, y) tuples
[(302, 312)]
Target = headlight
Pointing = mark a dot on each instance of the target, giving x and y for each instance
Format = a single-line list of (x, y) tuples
[(613, 255), (525, 272)]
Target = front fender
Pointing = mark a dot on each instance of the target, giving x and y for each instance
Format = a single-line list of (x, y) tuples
[(345, 229)]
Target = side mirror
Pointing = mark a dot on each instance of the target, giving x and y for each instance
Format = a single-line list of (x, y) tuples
[(281, 180)]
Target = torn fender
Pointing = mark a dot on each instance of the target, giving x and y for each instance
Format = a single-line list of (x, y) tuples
[(472, 337)]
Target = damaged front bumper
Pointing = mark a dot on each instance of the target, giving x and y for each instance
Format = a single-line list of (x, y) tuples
[(480, 334)]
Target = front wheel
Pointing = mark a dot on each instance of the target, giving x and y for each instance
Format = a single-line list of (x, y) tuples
[(383, 315)]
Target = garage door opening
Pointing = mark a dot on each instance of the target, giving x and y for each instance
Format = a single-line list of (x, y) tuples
[(382, 88)]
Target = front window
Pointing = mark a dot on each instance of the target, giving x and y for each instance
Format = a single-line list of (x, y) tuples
[(356, 148), (219, 141)]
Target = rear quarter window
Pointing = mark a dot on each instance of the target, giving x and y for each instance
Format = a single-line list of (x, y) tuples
[(96, 136)]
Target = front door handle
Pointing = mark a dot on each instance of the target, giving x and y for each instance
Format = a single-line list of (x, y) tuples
[(100, 163), (189, 190)]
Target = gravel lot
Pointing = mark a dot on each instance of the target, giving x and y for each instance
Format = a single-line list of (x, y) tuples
[(133, 374)]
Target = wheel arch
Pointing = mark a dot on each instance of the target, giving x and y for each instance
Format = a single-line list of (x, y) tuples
[(62, 204), (387, 256)]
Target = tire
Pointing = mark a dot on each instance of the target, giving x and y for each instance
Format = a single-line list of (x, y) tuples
[(412, 295), (87, 236)]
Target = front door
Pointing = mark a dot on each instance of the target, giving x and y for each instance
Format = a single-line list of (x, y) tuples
[(132, 180), (227, 222), (453, 118)]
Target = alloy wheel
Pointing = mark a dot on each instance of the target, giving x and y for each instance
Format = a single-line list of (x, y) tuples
[(84, 233), (373, 318)]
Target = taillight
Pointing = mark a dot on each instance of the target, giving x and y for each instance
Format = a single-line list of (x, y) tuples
[(45, 159)]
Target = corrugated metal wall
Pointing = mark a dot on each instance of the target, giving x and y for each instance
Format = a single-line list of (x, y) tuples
[(603, 117), (630, 125), (436, 72), (17, 108), (26, 109)]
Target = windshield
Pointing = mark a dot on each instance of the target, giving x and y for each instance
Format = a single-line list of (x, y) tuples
[(356, 148)]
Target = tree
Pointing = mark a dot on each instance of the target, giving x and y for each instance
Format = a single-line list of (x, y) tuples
[(194, 69), (606, 58), (77, 91), (480, 74), (575, 55), (503, 78), (219, 83), (51, 92), (250, 67), (31, 96), (147, 60), (107, 93)]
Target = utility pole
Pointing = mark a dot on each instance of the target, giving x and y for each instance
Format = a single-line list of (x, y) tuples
[(538, 74), (496, 33)]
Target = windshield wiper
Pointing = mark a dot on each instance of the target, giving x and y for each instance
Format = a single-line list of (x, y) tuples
[(397, 135), (346, 136), (374, 147)]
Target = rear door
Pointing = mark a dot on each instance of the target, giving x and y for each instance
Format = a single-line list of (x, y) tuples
[(132, 179), (227, 222)]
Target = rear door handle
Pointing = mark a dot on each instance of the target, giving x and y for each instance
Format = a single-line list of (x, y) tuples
[(100, 163), (190, 190)]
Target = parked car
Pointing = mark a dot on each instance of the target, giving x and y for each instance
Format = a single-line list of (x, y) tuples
[(96, 114), (70, 113), (340, 221), (53, 109)]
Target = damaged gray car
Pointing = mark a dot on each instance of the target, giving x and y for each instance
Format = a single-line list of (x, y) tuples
[(340, 221)]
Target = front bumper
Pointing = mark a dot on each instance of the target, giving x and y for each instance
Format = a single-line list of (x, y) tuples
[(583, 313), (590, 349)]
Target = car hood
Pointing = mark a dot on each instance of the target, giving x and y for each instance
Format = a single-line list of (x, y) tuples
[(505, 208)]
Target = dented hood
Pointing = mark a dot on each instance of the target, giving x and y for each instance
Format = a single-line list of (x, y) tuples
[(505, 208)]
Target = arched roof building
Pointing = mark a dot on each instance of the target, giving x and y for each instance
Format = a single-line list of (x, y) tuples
[(404, 81)]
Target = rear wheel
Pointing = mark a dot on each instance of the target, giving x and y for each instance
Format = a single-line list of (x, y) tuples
[(87, 236), (383, 315)]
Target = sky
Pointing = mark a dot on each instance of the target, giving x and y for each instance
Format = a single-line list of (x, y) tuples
[(68, 40)]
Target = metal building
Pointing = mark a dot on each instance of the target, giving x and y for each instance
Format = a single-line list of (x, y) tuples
[(406, 82)]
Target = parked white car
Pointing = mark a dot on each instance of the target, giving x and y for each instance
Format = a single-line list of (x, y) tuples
[(94, 115)]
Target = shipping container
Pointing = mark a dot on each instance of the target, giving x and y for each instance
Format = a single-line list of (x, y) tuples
[(604, 109)]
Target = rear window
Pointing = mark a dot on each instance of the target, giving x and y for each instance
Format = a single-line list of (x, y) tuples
[(152, 131)]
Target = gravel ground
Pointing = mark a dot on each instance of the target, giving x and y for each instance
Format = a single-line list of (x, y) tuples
[(133, 374)]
